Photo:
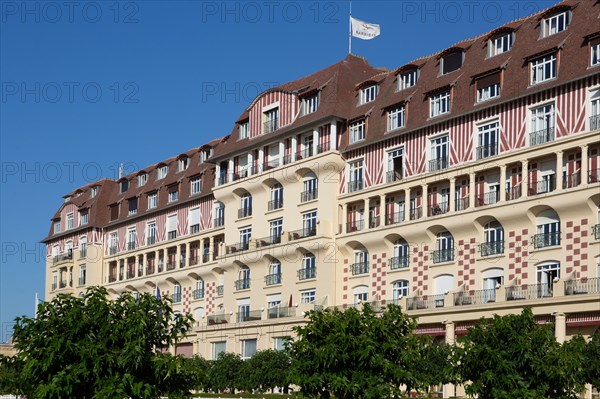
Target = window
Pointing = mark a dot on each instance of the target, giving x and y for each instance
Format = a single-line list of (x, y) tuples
[(408, 79), (395, 165), (548, 229), (151, 233), (401, 257), (368, 94), (276, 230), (310, 104), (131, 238), (444, 247), (142, 179), (124, 186), (546, 273), (173, 193), (556, 23), (543, 69), (361, 262), (274, 276), (218, 348), (171, 227), (194, 220), (244, 130), (248, 348), (439, 153), (83, 247), (309, 267), (243, 282), (396, 118), (279, 343), (94, 191), (113, 243), (488, 87), (219, 215), (162, 171), (182, 164), (309, 223), (56, 227), (70, 220), (310, 188), (152, 200), (357, 131), (493, 236), (199, 289), (205, 154), (500, 44), (595, 52), (308, 296), (83, 217), (271, 120), (276, 201), (439, 104), (133, 206), (595, 111), (399, 289), (487, 136), (245, 205), (245, 236), (195, 185), (355, 180), (542, 125), (176, 293), (361, 294), (82, 273), (451, 62)]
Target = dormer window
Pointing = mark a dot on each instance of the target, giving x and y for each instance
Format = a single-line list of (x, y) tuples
[(271, 120), (368, 94), (173, 193), (124, 185), (142, 179), (543, 69), (310, 104), (357, 131), (556, 23), (439, 104), (182, 164), (408, 79), (451, 62), (488, 87), (162, 171), (205, 154), (244, 130), (83, 217), (70, 220), (94, 191), (57, 227), (133, 206), (500, 44), (595, 52)]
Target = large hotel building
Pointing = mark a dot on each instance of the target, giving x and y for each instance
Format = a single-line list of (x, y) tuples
[(460, 185)]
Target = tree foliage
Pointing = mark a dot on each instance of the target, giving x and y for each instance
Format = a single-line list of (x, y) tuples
[(592, 361), (514, 357), (267, 369), (225, 372), (93, 347)]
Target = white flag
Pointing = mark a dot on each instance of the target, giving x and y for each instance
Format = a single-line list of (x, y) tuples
[(364, 30)]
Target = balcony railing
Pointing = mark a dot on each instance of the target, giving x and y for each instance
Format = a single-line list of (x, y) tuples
[(394, 218), (220, 290), (360, 268), (374, 222), (140, 271), (305, 153), (438, 164), (171, 235), (251, 315), (399, 262), (541, 136), (543, 186), (572, 180), (303, 233), (486, 151), (194, 229), (151, 240), (491, 248), (219, 221), (438, 209), (237, 247), (595, 122), (112, 250), (271, 125), (161, 265), (594, 176), (217, 319), (474, 297), (583, 286), (442, 255), (131, 245), (513, 193), (393, 175), (82, 253), (54, 286), (275, 204), (426, 302), (488, 198), (308, 195), (193, 260), (357, 225), (244, 212), (112, 278), (321, 148), (81, 281), (546, 240), (131, 273), (596, 231), (150, 269), (461, 204), (121, 275), (528, 291), (176, 297), (307, 273), (267, 241), (63, 257), (62, 284), (355, 185), (242, 284), (198, 294), (416, 213), (272, 279), (281, 311), (171, 264)]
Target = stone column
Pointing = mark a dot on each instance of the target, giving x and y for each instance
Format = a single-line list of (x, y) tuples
[(407, 203), (452, 194), (502, 196), (450, 389), (472, 186), (315, 141), (559, 170), (187, 254), (333, 136), (584, 164), (560, 327), (524, 178), (294, 148), (382, 209)]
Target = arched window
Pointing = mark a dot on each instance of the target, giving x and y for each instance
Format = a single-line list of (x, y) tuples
[(399, 289), (276, 201), (546, 273), (442, 284), (309, 267), (444, 247), (310, 187), (493, 236), (199, 289), (548, 229), (243, 281), (245, 205), (198, 313), (401, 257), (361, 262), (492, 278), (274, 276), (361, 294)]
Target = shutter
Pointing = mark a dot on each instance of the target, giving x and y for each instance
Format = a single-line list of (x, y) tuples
[(172, 223), (488, 80), (194, 216)]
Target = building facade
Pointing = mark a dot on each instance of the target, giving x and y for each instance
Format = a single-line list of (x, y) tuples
[(460, 185)]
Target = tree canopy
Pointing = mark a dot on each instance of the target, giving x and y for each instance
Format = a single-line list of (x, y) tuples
[(93, 347)]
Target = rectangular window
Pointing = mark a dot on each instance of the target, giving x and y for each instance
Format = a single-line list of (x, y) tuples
[(70, 220), (439, 104), (83, 217), (56, 227), (395, 165), (194, 220), (151, 233), (310, 104), (275, 230), (196, 185), (271, 120), (357, 131), (308, 296), (279, 343), (133, 206), (368, 94), (500, 44), (245, 236), (355, 178), (124, 185), (408, 79), (309, 223), (451, 62), (173, 194), (162, 172), (396, 118), (488, 140), (218, 348), (244, 130), (248, 348), (556, 23), (439, 153), (171, 227), (152, 200), (142, 179), (488, 87), (543, 69), (595, 51), (82, 274), (113, 242), (182, 164), (131, 238), (542, 125), (94, 192)]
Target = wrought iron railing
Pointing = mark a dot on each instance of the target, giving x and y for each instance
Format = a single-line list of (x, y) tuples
[(595, 122), (176, 297), (355, 185), (399, 262), (474, 297), (220, 290), (438, 164), (198, 294), (242, 284), (596, 231), (393, 175), (131, 245), (572, 180), (543, 186), (244, 212), (442, 255), (150, 240), (271, 125), (486, 151), (546, 239), (394, 218), (461, 204), (275, 204), (416, 213), (307, 273), (240, 246), (359, 268), (528, 291), (488, 198), (583, 286), (374, 222), (302, 233), (541, 136), (425, 302), (218, 222), (195, 228), (308, 195), (357, 225), (513, 193), (491, 248), (272, 279), (171, 235), (438, 209)]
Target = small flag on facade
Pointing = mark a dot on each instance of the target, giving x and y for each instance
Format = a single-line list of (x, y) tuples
[(157, 293), (364, 30)]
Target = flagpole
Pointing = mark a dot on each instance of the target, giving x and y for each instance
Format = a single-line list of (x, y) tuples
[(350, 30)]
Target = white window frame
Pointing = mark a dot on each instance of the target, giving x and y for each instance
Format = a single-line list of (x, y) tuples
[(82, 274), (368, 94), (57, 227), (543, 117), (142, 179), (595, 55), (310, 104), (439, 104), (357, 131), (245, 235), (244, 130), (84, 217), (152, 200), (151, 230), (488, 133), (396, 118), (244, 348), (276, 228), (400, 289), (556, 23), (489, 92), (162, 172), (195, 186), (408, 79), (218, 348), (173, 196), (360, 294), (500, 44), (183, 164), (70, 220), (543, 69), (94, 191), (308, 296)]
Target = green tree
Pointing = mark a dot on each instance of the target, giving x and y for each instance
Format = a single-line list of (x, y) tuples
[(512, 356), (592, 361), (353, 354), (225, 372), (199, 368), (93, 347), (431, 364), (266, 370)]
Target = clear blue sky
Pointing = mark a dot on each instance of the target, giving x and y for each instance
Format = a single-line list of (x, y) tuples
[(88, 85)]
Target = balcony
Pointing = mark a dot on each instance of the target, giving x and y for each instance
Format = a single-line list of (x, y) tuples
[(140, 271), (251, 315), (130, 274), (442, 255), (596, 231), (220, 290), (171, 235), (546, 240), (594, 176), (303, 233), (394, 218), (244, 212), (272, 164), (280, 312), (217, 319), (62, 284), (528, 291), (572, 180), (594, 122), (359, 268), (54, 286), (81, 281), (268, 241), (491, 248), (305, 153), (150, 269), (121, 276), (63, 257), (151, 240), (486, 151), (399, 262), (161, 265), (194, 260), (488, 198), (82, 253), (176, 297), (308, 195), (194, 229), (374, 222), (219, 221), (393, 175), (237, 247), (275, 204), (131, 245), (438, 164), (273, 279), (416, 213), (438, 209), (474, 297), (243, 284), (271, 125), (198, 294), (541, 136), (321, 148), (170, 264), (513, 193), (583, 286), (307, 273), (355, 185), (357, 225), (461, 204), (543, 186), (112, 278), (425, 302)]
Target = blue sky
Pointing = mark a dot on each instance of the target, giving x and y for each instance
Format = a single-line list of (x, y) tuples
[(88, 85)]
